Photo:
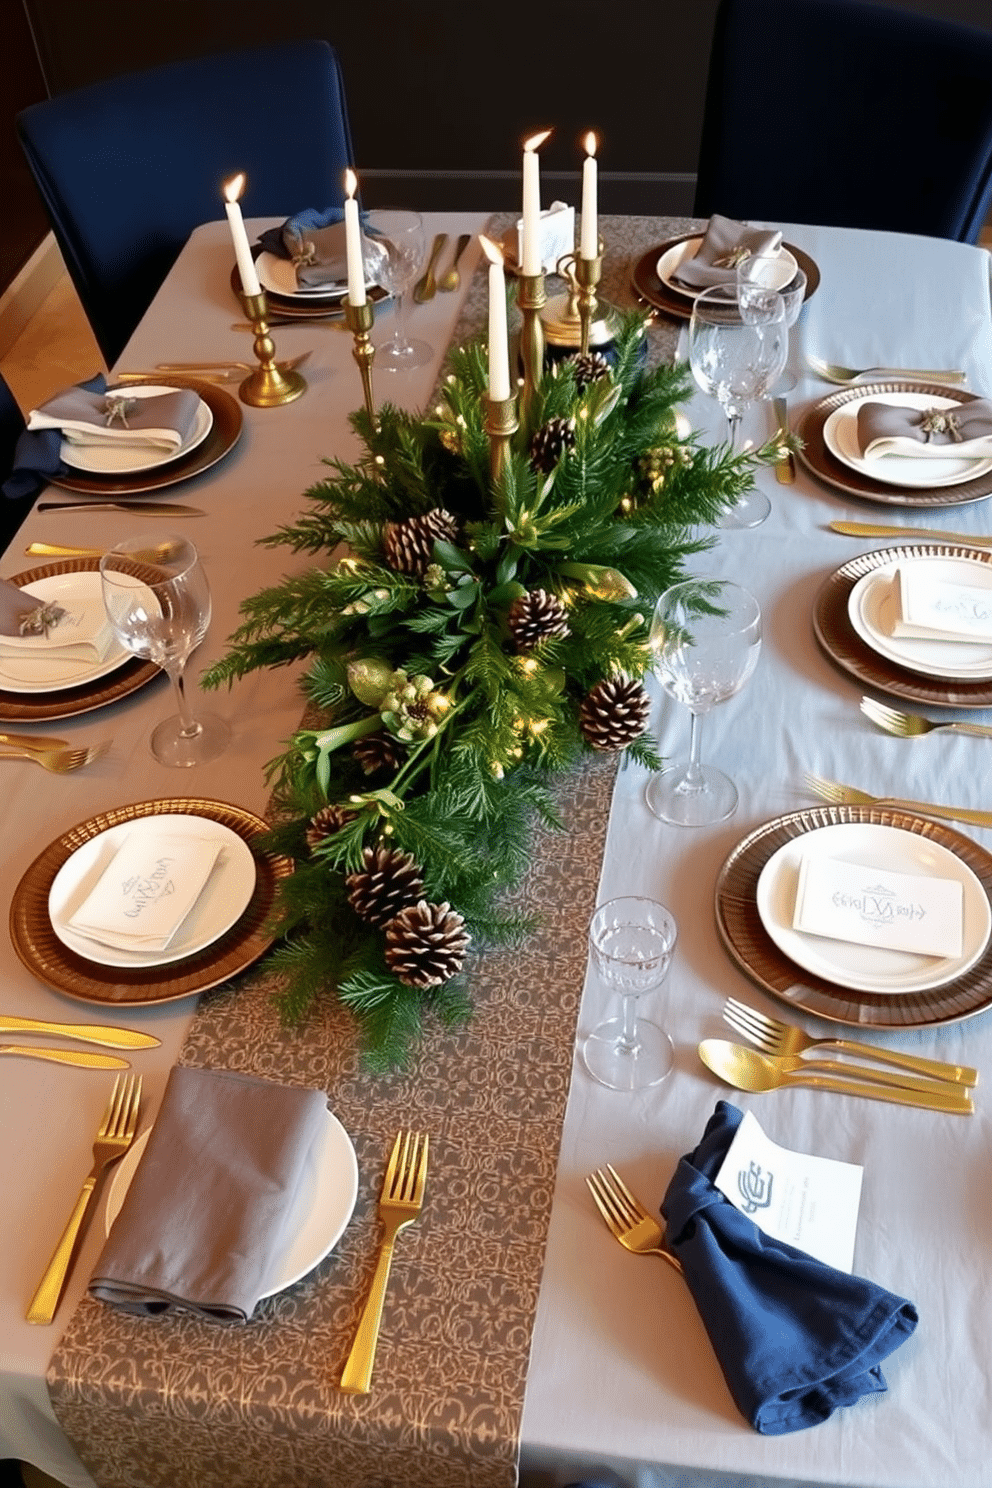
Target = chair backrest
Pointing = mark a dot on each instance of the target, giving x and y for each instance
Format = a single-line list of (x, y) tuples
[(128, 167), (847, 114)]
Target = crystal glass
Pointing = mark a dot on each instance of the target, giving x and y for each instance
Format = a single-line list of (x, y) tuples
[(158, 601), (631, 942), (705, 640), (761, 274), (400, 235), (737, 353)]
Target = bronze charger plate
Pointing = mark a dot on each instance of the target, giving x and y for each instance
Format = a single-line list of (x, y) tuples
[(749, 944), (654, 292), (837, 637), (224, 434), (66, 702), (44, 955), (826, 467)]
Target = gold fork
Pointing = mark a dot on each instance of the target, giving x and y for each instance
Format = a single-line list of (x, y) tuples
[(774, 1037), (116, 1133), (846, 795), (57, 761), (910, 725), (401, 1202), (834, 372), (628, 1220)]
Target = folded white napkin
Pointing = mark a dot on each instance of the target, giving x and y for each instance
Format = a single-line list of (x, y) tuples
[(937, 610), (876, 907), (161, 421), (146, 891), (725, 244), (962, 432)]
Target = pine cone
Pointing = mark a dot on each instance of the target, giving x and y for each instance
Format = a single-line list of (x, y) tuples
[(377, 753), (550, 442), (535, 617), (615, 713), (409, 545), (589, 368), (329, 819), (389, 881), (426, 944)]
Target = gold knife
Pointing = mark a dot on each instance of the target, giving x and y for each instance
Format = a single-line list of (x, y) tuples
[(134, 508), (82, 1058), (910, 534), (87, 1033), (785, 465)]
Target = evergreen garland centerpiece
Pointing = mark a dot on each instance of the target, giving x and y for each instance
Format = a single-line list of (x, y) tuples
[(474, 637)]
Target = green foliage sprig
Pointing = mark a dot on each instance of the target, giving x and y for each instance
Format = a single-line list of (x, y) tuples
[(475, 637)]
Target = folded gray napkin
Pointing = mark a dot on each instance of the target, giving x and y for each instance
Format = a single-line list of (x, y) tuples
[(22, 614), (965, 430), (161, 421), (724, 244), (203, 1221)]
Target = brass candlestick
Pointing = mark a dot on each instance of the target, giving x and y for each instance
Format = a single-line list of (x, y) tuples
[(530, 300), (269, 385), (588, 272), (501, 425), (360, 320)]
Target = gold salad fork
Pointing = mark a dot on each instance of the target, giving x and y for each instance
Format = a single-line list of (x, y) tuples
[(116, 1133), (847, 795), (627, 1219), (402, 1200), (834, 372), (57, 761), (911, 725), (772, 1036)]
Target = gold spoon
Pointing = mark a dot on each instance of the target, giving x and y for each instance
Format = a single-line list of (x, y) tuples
[(451, 278), (746, 1069), (426, 287)]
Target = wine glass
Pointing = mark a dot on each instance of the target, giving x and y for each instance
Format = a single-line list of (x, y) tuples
[(158, 602), (736, 354), (764, 272), (705, 639), (400, 235), (631, 942)]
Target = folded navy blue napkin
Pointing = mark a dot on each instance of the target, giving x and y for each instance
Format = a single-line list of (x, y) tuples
[(37, 455), (315, 242), (795, 1338)]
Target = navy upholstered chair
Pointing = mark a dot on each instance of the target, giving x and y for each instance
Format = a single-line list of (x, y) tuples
[(128, 167), (847, 114)]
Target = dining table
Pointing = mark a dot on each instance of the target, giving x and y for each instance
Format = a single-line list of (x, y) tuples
[(520, 1341)]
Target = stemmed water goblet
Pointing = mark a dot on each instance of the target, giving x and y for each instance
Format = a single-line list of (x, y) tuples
[(737, 353), (158, 603), (705, 640), (765, 273), (631, 942), (399, 234)]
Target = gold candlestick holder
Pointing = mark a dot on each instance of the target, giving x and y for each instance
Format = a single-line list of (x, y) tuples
[(269, 385), (360, 320), (531, 301), (501, 425), (588, 272)]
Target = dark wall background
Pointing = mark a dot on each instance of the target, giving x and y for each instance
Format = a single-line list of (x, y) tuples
[(440, 95)]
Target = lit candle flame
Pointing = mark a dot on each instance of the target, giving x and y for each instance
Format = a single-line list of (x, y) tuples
[(491, 250), (350, 181), (537, 140), (590, 143), (234, 189)]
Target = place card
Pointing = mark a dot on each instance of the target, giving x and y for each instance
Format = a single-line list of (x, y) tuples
[(556, 235), (938, 610), (806, 1201), (146, 891), (877, 907)]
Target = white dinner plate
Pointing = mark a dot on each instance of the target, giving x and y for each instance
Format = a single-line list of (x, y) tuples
[(223, 900), (324, 1203), (870, 968), (873, 608), (840, 435), (38, 673), (670, 260), (113, 459)]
